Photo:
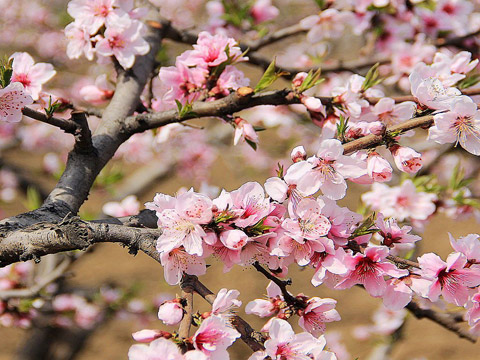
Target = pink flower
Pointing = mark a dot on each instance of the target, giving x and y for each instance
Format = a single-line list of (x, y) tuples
[(378, 168), (181, 226), (214, 336), (225, 301), (250, 203), (473, 314), (211, 50), (31, 75), (244, 130), (369, 270), (298, 154), (170, 312), (401, 202), (177, 261), (124, 41), (230, 79), (159, 349), (98, 93), (328, 171), (467, 245), (429, 90), (394, 236), (182, 82), (316, 314), (329, 23), (128, 206), (12, 100), (263, 10), (79, 41), (450, 279), (284, 344), (91, 13), (460, 125), (310, 223), (406, 159), (391, 114), (326, 264), (234, 239)]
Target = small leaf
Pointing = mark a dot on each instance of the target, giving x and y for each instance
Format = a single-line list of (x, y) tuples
[(469, 81), (312, 79), (34, 200), (269, 77), (372, 78), (342, 128)]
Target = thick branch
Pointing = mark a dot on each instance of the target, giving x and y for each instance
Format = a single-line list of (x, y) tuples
[(71, 234), (187, 295)]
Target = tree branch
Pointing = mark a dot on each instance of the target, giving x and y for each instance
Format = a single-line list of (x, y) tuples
[(187, 294), (445, 320), (40, 284), (66, 125)]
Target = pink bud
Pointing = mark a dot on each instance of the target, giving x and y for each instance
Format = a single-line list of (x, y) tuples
[(147, 335), (378, 168), (170, 312), (298, 154), (406, 159), (313, 104), (298, 79)]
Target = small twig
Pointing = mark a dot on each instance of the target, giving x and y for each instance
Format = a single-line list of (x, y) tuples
[(40, 284), (66, 125), (445, 320), (282, 284), (400, 260)]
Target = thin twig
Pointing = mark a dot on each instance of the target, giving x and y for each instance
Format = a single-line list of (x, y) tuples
[(442, 319), (40, 284), (66, 125)]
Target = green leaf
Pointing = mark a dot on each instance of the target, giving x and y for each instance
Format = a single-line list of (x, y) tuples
[(269, 77), (468, 81), (185, 110), (6, 71), (34, 200), (372, 78), (365, 227), (312, 79), (342, 127)]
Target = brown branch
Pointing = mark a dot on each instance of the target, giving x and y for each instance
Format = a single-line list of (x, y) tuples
[(187, 295), (399, 260), (240, 100), (66, 125), (83, 136), (282, 284), (445, 320)]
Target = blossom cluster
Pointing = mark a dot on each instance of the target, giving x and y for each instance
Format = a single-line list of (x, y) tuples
[(106, 28), (206, 72)]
